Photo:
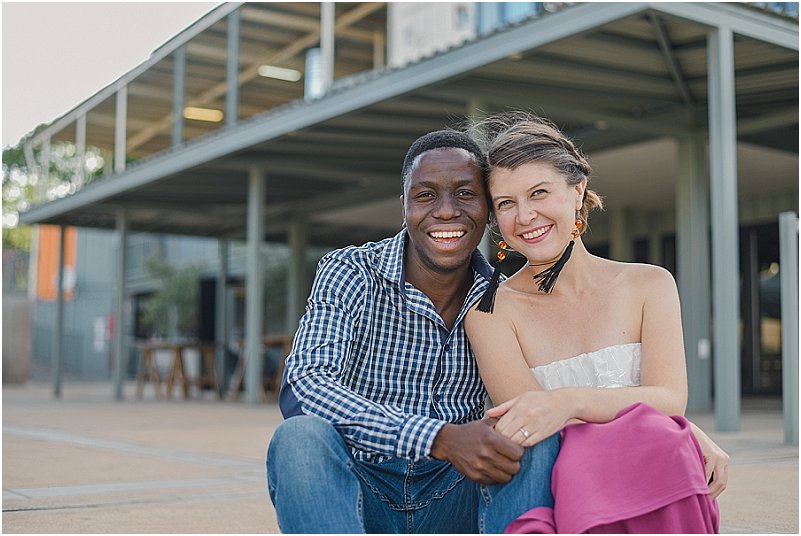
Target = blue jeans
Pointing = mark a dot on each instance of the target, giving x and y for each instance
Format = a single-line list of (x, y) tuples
[(318, 487)]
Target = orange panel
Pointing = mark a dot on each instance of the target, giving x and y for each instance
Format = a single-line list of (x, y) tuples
[(47, 269)]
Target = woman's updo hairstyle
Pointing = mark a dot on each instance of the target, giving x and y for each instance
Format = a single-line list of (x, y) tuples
[(516, 138)]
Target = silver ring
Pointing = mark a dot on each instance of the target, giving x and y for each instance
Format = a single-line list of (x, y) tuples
[(524, 432)]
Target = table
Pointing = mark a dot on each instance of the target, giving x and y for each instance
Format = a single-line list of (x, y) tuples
[(149, 370), (272, 383)]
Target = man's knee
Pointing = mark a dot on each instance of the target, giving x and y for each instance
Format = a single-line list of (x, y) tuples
[(299, 436), (541, 456)]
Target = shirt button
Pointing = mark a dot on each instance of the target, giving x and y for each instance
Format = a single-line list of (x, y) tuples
[(436, 397), (446, 347)]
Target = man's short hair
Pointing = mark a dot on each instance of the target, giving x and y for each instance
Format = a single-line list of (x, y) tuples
[(442, 139)]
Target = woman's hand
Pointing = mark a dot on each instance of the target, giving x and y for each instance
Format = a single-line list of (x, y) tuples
[(716, 462), (531, 417)]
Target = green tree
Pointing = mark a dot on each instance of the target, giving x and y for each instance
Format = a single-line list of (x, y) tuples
[(18, 192), (172, 310)]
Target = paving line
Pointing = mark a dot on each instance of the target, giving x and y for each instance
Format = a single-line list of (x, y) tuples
[(60, 436), (111, 487)]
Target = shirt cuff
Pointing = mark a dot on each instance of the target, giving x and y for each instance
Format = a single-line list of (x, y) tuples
[(416, 438)]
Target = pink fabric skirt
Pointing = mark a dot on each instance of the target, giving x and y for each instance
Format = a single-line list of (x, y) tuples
[(641, 473)]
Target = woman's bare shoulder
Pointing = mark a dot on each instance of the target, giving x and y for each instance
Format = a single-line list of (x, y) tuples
[(645, 279)]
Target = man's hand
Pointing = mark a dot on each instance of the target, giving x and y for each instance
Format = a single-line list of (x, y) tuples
[(477, 451)]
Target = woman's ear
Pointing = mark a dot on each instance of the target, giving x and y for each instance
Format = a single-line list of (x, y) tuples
[(581, 188)]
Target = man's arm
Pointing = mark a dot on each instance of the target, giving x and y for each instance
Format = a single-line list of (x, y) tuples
[(320, 355)]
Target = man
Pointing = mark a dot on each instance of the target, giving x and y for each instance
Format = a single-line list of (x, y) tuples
[(383, 390)]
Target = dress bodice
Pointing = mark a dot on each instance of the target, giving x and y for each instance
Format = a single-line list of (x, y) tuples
[(613, 366)]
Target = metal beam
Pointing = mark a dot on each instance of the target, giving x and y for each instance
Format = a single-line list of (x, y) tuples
[(198, 27), (232, 70), (327, 21), (782, 118), (725, 228), (80, 147), (178, 92), (763, 27), (252, 70), (670, 59), (120, 128)]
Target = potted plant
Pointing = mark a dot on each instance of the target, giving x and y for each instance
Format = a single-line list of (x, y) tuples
[(171, 312)]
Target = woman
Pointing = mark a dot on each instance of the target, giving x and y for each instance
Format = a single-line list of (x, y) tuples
[(569, 322)]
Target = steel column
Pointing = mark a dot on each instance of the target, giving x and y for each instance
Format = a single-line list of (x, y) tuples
[(120, 129), (254, 286), (692, 263), (327, 13), (232, 71), (178, 93), (788, 274), (57, 352), (120, 348), (725, 247), (80, 146)]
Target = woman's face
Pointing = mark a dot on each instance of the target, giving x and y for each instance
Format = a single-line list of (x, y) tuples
[(535, 208)]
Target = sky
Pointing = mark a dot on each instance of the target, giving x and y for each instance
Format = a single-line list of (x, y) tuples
[(56, 55)]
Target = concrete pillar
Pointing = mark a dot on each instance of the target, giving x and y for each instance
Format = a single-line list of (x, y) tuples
[(692, 268), (725, 229), (254, 285)]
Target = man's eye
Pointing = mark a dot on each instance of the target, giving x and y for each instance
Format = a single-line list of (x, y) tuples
[(465, 193)]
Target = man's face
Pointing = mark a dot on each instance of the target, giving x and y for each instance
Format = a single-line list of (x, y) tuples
[(445, 209)]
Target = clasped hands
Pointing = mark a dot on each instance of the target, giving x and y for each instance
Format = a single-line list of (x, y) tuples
[(530, 417)]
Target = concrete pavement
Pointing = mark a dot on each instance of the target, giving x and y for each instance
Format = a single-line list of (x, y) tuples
[(89, 464)]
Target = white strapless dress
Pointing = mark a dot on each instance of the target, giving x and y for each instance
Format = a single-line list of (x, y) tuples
[(613, 366), (658, 485)]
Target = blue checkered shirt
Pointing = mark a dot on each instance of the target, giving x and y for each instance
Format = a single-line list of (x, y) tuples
[(374, 357)]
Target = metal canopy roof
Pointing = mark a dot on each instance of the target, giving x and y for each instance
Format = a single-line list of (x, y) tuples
[(612, 75)]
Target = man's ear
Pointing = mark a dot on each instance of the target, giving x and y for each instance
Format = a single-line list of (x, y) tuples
[(403, 209)]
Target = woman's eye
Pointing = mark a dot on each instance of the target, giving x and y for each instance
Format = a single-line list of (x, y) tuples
[(538, 193), (504, 203)]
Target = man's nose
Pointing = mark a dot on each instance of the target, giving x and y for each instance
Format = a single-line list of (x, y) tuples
[(446, 208)]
